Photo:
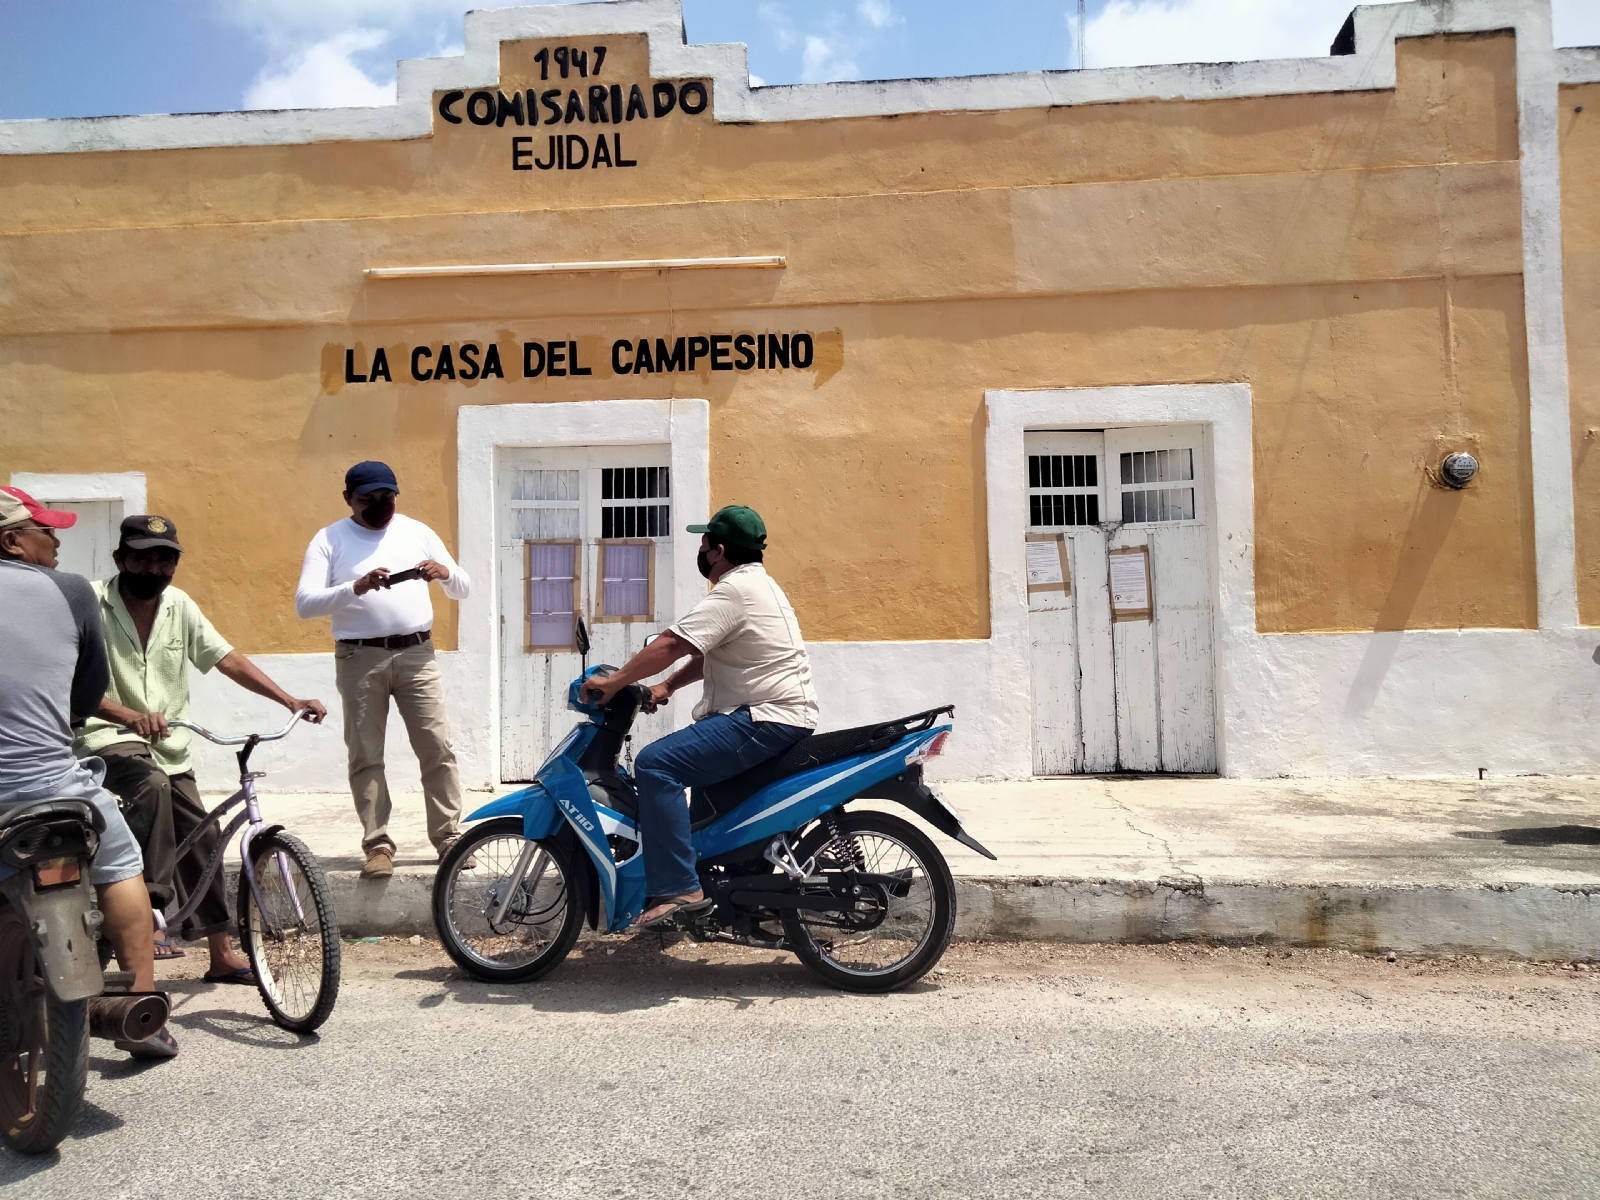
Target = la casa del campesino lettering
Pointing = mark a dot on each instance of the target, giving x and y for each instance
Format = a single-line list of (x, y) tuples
[(1228, 418), (693, 353)]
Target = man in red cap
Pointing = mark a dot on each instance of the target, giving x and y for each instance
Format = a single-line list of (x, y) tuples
[(53, 675)]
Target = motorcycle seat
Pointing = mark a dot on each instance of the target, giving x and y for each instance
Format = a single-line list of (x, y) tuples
[(59, 808), (716, 800)]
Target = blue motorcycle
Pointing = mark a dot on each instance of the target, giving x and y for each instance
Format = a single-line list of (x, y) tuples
[(864, 898)]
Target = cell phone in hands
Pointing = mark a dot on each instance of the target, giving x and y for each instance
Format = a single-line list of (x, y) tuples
[(402, 576)]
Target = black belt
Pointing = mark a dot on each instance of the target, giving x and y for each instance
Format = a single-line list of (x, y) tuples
[(398, 641)]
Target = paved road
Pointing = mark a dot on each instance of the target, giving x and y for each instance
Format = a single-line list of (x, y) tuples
[(1020, 1071)]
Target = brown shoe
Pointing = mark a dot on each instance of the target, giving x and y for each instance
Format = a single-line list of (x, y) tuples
[(471, 861), (380, 863)]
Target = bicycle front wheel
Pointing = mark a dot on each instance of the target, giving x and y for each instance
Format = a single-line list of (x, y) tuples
[(292, 936)]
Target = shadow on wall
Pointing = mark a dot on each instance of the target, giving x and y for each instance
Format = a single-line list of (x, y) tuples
[(1424, 538), (1549, 835)]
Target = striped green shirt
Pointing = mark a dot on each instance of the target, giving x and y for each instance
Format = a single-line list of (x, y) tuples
[(153, 677)]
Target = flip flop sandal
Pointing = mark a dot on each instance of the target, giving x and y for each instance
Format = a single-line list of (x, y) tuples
[(676, 906), (164, 947), (242, 975)]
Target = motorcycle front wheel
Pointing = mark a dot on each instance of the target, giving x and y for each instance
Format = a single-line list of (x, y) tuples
[(868, 947), (44, 1047), (537, 925)]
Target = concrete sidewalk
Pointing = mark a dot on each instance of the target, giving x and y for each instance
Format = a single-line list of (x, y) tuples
[(1503, 867)]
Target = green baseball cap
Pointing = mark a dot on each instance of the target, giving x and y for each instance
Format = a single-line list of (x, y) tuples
[(737, 524)]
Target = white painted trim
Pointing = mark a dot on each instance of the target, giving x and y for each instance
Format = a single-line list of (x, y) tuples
[(127, 486), (623, 264), (481, 432), (1225, 409), (1371, 67), (1579, 64)]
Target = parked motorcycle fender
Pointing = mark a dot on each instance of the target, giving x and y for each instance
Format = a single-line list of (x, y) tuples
[(540, 817), (66, 927)]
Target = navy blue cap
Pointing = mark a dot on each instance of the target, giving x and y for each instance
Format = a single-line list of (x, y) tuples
[(369, 476)]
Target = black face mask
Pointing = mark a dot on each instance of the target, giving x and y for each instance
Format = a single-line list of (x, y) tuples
[(704, 563), (379, 513), (145, 587)]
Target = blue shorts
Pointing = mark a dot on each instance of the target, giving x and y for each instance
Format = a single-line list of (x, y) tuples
[(118, 857)]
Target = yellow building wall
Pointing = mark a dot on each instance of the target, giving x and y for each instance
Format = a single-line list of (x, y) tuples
[(1580, 268), (1356, 258)]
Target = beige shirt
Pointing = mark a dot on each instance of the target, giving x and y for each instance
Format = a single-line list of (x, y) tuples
[(754, 654)]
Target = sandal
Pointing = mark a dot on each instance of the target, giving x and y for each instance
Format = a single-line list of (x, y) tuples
[(242, 975), (164, 947), (676, 905)]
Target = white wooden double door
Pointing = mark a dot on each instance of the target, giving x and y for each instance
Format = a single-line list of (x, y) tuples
[(582, 533), (1114, 691)]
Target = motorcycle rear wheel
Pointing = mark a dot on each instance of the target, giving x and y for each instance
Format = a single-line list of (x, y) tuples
[(44, 1047), (912, 936), (541, 925)]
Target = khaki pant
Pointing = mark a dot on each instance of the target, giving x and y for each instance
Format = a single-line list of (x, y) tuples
[(367, 677)]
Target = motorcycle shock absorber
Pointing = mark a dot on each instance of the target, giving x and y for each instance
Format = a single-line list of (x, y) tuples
[(845, 846)]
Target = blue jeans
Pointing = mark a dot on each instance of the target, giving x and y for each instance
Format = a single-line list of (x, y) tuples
[(709, 751)]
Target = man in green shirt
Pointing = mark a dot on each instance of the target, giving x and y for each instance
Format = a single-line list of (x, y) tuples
[(154, 632)]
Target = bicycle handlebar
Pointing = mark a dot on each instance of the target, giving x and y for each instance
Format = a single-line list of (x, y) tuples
[(239, 741)]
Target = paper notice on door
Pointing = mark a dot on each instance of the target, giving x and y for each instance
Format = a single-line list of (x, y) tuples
[(1047, 564), (1130, 583)]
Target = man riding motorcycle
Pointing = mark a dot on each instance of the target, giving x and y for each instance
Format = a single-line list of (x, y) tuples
[(53, 675), (744, 642)]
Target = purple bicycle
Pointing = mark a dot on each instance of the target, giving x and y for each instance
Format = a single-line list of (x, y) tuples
[(287, 924)]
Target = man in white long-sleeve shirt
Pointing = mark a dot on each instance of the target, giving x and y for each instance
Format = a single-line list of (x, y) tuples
[(381, 626)]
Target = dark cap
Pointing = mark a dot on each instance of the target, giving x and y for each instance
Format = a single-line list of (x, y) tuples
[(737, 524), (370, 476), (145, 533)]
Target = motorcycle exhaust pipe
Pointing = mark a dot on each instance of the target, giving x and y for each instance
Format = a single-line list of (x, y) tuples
[(128, 1018)]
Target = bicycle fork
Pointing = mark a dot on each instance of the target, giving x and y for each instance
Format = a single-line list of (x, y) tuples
[(252, 815)]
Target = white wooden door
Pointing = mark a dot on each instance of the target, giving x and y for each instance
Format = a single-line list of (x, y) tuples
[(584, 532), (1116, 686), (86, 547)]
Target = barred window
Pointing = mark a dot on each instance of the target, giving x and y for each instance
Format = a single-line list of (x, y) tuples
[(1063, 489), (647, 488), (1141, 503), (545, 504)]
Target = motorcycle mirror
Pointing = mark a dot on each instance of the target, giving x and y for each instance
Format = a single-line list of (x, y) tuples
[(581, 638)]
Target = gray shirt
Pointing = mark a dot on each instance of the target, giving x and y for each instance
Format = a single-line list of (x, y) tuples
[(53, 673)]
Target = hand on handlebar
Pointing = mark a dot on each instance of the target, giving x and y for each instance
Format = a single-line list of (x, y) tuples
[(150, 726), (310, 710), (659, 692), (598, 689)]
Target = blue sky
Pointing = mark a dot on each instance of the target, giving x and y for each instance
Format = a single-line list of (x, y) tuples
[(69, 58)]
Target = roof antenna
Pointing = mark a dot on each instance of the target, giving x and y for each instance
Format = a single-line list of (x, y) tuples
[(1081, 58)]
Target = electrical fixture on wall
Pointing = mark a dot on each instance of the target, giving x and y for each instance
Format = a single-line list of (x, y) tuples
[(1458, 469)]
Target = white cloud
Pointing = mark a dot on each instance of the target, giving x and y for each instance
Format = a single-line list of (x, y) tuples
[(756, 80), (822, 62), (1128, 32), (322, 75), (876, 13), (1577, 22), (300, 23)]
